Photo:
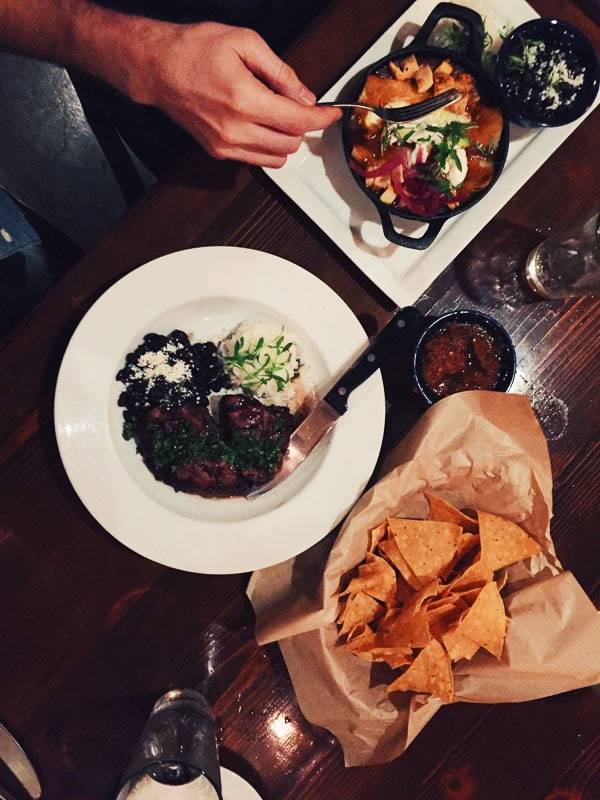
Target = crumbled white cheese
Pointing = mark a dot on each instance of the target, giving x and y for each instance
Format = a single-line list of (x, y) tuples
[(154, 365), (560, 73), (531, 51), (560, 76), (551, 94)]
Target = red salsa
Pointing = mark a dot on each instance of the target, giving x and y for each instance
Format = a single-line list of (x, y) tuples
[(461, 356)]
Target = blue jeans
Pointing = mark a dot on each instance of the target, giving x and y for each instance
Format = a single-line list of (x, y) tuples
[(24, 272)]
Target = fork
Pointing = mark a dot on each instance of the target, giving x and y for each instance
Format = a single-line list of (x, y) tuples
[(406, 113)]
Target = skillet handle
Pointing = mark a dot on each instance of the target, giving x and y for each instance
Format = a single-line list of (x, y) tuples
[(414, 242), (469, 18)]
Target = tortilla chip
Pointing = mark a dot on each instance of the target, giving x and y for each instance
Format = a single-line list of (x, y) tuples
[(442, 511), (442, 614), (476, 575), (390, 550), (436, 602), (362, 629), (376, 534), (501, 580), (504, 542), (409, 630), (359, 607), (397, 603), (467, 543), (485, 622), (361, 638), (427, 546), (430, 672), (394, 657), (468, 596), (403, 592), (416, 600), (457, 645), (367, 645), (375, 577), (388, 619)]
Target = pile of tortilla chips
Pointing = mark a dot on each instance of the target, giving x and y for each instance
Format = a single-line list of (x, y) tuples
[(428, 594)]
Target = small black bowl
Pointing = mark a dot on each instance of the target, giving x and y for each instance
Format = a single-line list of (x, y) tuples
[(560, 36), (508, 354)]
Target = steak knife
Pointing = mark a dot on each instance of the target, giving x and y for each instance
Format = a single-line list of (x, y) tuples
[(21, 767), (335, 403)]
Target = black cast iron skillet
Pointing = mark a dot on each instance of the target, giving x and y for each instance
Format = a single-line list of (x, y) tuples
[(470, 62)]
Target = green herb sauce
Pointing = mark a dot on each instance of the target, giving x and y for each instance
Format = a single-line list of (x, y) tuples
[(172, 449)]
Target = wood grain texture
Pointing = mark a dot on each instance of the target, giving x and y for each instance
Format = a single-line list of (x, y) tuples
[(91, 634)]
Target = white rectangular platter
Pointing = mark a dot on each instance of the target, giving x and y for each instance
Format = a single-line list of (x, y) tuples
[(318, 179)]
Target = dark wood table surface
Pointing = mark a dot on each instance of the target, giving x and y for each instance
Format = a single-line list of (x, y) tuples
[(91, 634)]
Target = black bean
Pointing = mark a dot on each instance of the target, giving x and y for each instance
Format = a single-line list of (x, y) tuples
[(155, 341), (179, 336)]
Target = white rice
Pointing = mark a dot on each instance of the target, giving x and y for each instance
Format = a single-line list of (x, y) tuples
[(252, 377)]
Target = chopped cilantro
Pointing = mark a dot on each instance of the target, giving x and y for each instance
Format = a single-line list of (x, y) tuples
[(173, 448), (452, 36), (266, 361), (454, 135), (129, 429)]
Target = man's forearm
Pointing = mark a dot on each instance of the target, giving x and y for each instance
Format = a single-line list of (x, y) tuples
[(221, 83), (77, 33)]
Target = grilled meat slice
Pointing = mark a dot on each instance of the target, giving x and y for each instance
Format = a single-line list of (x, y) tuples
[(210, 478), (171, 444), (199, 418), (238, 412), (205, 476)]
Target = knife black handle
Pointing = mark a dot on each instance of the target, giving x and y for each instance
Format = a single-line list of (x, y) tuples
[(404, 320)]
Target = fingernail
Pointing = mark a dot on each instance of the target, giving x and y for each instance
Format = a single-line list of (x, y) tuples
[(306, 96)]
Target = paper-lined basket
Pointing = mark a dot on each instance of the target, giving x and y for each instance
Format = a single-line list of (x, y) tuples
[(479, 450)]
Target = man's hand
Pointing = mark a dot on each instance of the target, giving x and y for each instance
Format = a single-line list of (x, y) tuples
[(223, 84), (227, 88)]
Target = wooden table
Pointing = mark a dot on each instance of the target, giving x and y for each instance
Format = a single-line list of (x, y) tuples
[(91, 634)]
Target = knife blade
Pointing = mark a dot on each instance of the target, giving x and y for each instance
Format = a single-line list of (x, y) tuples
[(323, 417), (18, 763)]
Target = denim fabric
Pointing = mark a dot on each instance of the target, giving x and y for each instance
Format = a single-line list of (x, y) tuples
[(15, 232), (13, 290)]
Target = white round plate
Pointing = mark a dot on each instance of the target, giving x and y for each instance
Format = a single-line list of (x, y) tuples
[(206, 292), (236, 788)]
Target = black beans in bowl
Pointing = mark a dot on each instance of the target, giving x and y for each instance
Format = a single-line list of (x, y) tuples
[(547, 72)]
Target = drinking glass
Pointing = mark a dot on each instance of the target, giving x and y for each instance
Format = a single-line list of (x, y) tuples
[(567, 265), (176, 756)]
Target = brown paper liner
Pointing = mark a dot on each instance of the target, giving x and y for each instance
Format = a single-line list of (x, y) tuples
[(479, 450)]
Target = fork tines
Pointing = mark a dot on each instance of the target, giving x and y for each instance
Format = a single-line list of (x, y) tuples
[(417, 110)]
